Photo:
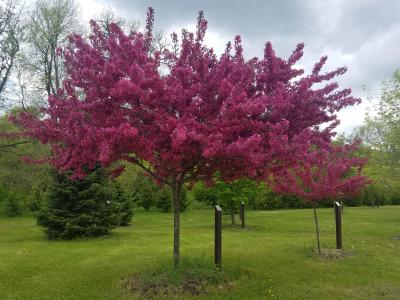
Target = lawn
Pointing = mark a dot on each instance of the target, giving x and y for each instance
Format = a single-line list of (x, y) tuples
[(274, 255)]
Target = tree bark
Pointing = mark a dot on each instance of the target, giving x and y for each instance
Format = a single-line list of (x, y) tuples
[(317, 230), (233, 215), (177, 192)]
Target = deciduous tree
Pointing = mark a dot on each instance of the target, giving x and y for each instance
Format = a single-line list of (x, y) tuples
[(51, 21), (323, 174), (205, 116), (381, 129), (10, 19)]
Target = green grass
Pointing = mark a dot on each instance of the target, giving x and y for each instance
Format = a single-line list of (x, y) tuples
[(275, 255)]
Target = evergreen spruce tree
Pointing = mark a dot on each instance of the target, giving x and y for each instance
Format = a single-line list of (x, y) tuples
[(80, 208)]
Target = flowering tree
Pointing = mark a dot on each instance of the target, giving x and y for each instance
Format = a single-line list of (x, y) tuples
[(323, 173), (184, 114)]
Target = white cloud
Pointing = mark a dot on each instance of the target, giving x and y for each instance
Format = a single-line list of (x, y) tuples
[(91, 8)]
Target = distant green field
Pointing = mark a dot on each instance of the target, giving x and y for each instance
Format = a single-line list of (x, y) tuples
[(275, 255)]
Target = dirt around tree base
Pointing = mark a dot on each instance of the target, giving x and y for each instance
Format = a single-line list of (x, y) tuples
[(158, 288), (332, 254), (192, 280)]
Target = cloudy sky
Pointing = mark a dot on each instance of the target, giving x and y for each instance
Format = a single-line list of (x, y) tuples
[(363, 35)]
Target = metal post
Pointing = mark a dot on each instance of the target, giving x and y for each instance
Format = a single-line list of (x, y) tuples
[(242, 213), (338, 217), (218, 236)]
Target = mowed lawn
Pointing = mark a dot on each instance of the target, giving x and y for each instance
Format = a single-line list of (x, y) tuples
[(274, 254)]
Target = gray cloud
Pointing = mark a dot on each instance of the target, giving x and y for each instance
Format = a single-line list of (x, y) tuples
[(364, 35), (248, 17)]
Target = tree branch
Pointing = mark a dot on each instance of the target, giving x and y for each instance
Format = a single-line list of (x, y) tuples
[(14, 145)]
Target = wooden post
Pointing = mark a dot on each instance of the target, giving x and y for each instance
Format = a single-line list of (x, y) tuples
[(242, 215), (218, 237), (338, 217)]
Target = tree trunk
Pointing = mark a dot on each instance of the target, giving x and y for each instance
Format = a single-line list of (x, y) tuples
[(56, 72), (317, 230), (233, 215), (177, 191)]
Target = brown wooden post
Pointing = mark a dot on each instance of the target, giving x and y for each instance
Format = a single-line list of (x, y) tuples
[(338, 217), (242, 215), (218, 237)]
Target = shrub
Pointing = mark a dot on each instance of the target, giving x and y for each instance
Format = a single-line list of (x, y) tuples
[(292, 201), (395, 197), (13, 205), (147, 194), (353, 201), (164, 199), (272, 201), (184, 200), (37, 198), (204, 195), (124, 210), (3, 196), (144, 191)]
